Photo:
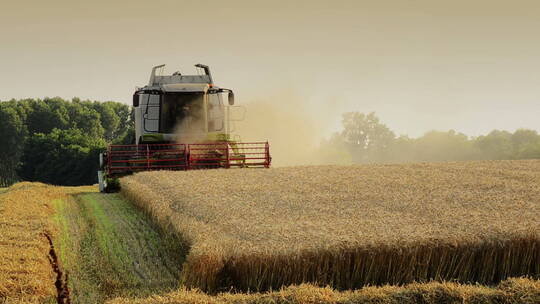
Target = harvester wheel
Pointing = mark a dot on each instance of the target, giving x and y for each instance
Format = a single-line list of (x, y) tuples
[(107, 184), (101, 181), (112, 184)]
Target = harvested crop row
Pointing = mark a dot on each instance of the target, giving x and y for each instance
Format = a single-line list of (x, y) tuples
[(110, 249), (519, 290), (350, 226), (27, 272)]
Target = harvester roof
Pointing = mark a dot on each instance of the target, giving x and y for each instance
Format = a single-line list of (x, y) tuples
[(180, 83), (180, 87)]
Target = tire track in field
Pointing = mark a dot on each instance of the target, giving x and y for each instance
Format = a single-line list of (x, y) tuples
[(143, 241), (110, 249)]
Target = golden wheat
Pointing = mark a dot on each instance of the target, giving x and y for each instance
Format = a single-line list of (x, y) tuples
[(520, 290), (26, 232), (349, 226)]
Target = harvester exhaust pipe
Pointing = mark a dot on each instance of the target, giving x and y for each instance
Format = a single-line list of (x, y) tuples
[(206, 71), (231, 97), (153, 74)]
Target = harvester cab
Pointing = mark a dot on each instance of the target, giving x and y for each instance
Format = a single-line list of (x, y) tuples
[(181, 123), (176, 107)]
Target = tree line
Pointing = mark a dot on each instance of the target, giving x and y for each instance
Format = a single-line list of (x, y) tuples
[(58, 141), (365, 139)]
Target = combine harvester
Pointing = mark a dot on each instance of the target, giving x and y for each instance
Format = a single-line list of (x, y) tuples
[(181, 123)]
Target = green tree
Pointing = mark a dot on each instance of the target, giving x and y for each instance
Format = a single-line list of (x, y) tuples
[(126, 115), (366, 137), (126, 129), (402, 150), (334, 151), (45, 115), (62, 157), (496, 145), (12, 133), (526, 144), (40, 138), (444, 146), (84, 117), (110, 119)]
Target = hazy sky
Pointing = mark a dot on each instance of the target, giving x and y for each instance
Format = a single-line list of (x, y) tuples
[(469, 65)]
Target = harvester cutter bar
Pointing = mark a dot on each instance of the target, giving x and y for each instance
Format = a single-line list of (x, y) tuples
[(123, 159)]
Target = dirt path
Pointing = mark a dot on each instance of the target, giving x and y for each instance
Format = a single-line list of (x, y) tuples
[(108, 248)]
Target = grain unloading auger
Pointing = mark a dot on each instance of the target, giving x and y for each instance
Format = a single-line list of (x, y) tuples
[(181, 123)]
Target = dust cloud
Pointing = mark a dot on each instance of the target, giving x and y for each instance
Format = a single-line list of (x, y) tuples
[(294, 129), (189, 127), (189, 130), (291, 127)]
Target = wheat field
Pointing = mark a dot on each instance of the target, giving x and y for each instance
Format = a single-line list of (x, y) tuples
[(511, 291), (349, 226), (27, 264)]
